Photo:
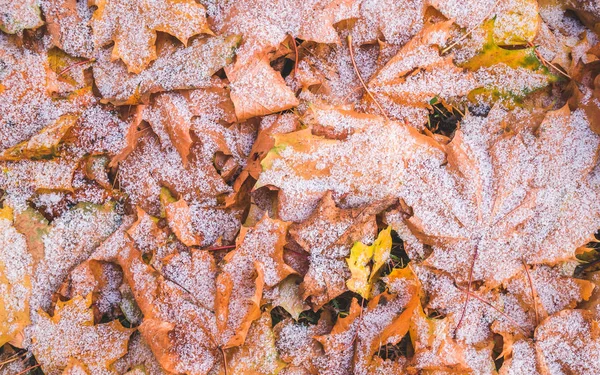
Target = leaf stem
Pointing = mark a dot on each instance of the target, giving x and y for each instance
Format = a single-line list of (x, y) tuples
[(361, 80)]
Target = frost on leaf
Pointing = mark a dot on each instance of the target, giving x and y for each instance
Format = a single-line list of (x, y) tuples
[(361, 257), (132, 26), (17, 16), (569, 342), (266, 24), (304, 166), (180, 332), (258, 90), (71, 332), (328, 235), (16, 268), (256, 262), (258, 354), (510, 190), (175, 68)]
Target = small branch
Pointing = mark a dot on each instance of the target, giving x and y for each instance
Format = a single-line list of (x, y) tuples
[(546, 62), (227, 247), (470, 30), (28, 369), (533, 293), (224, 359), (361, 80), (464, 311), (296, 58), (505, 315), (65, 70)]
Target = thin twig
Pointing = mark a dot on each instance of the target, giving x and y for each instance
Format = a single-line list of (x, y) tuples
[(361, 80), (533, 293), (227, 247), (464, 311), (296, 58), (224, 359), (470, 30), (27, 369), (505, 315), (547, 63), (75, 65)]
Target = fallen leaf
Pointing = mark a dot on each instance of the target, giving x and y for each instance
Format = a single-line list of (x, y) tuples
[(71, 332), (360, 259), (16, 270), (132, 26)]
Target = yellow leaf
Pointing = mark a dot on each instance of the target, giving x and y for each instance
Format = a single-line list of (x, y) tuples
[(361, 256)]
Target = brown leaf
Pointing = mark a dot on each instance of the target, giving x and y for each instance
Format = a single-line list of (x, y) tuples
[(256, 261), (71, 333), (20, 15), (304, 166), (168, 310), (498, 199), (133, 26), (327, 235), (258, 90), (258, 354), (568, 342), (175, 68)]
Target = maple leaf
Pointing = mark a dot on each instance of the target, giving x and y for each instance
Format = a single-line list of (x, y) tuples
[(26, 100), (43, 144), (385, 320), (168, 309), (436, 349), (304, 166), (327, 235), (197, 180), (296, 345), (195, 271), (175, 68), (258, 250), (168, 115), (552, 290), (133, 26), (258, 355), (287, 295), (561, 340), (71, 332), (67, 242), (508, 183), (258, 90), (417, 74), (395, 21), (179, 218), (15, 280), (361, 256), (68, 25), (20, 15), (139, 356), (266, 25)]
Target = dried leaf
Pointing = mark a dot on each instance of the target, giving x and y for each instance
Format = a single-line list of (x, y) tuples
[(71, 332), (133, 26)]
